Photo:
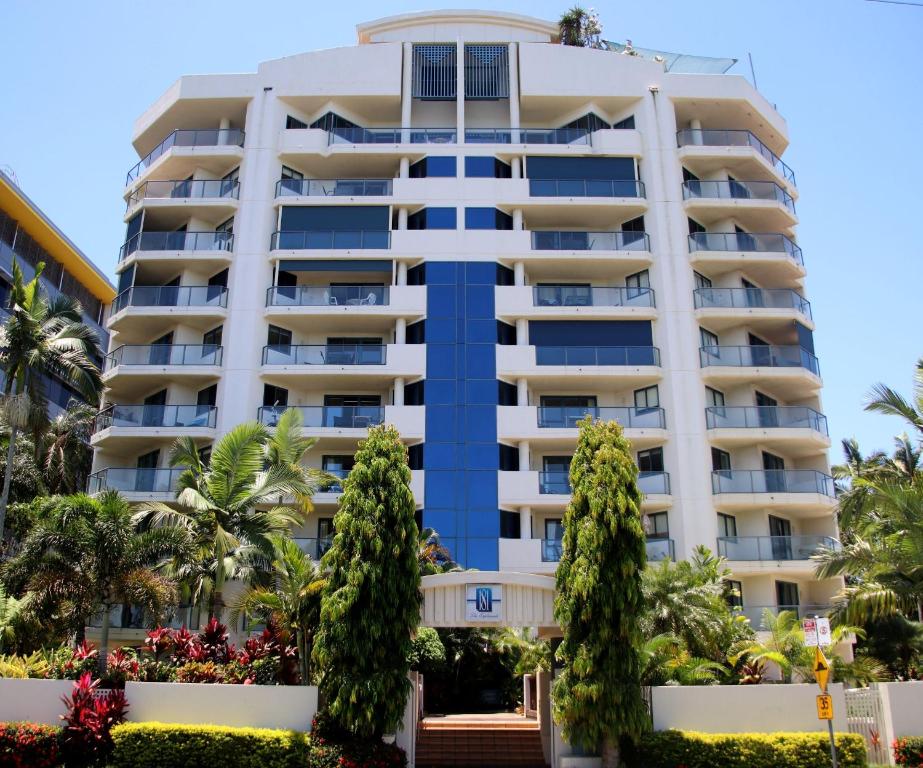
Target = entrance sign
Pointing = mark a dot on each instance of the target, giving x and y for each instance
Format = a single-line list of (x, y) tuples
[(825, 707), (821, 669), (483, 602), (810, 631), (823, 632)]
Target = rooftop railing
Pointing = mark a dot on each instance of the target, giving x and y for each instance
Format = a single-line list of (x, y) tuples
[(586, 188), (733, 138), (751, 298), (329, 239), (163, 354), (177, 241), (168, 416), (327, 416), (766, 191), (205, 137), (333, 187), (558, 482), (765, 417), (759, 356), (189, 189), (591, 296), (578, 355), (771, 481), (769, 242), (590, 241), (631, 418), (328, 295), (757, 548), (171, 296), (325, 354), (161, 480)]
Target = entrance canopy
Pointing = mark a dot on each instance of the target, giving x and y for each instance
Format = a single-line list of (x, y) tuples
[(488, 599)]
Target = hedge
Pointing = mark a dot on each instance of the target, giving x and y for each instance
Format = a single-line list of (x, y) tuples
[(155, 745), (908, 750), (29, 745), (669, 749)]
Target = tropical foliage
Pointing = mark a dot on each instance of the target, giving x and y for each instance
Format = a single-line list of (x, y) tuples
[(580, 27)]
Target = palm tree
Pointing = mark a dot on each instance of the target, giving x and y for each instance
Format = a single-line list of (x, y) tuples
[(88, 555), (292, 598), (432, 555), (42, 336), (65, 452), (11, 616), (580, 27), (883, 399), (220, 505)]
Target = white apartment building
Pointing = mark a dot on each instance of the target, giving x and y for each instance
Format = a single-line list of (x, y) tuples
[(465, 229)]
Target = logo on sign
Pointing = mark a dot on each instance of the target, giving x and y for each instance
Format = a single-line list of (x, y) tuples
[(484, 598), (482, 602)]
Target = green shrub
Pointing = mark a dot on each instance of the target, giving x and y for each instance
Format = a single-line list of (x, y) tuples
[(29, 745), (908, 750), (155, 745), (669, 749), (334, 747)]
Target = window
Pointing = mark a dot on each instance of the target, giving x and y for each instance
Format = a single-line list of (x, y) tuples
[(565, 410), (695, 227), (787, 595), (734, 593), (207, 397), (352, 401), (294, 122), (589, 122), (486, 167), (657, 525), (701, 281), (714, 398), (212, 337), (648, 397), (571, 295), (432, 218), (638, 284), (651, 460), (226, 227), (554, 530), (339, 467), (278, 336), (720, 460), (689, 175), (727, 526), (509, 524), (708, 338), (274, 396), (291, 173), (627, 123), (487, 218), (434, 167), (325, 533)]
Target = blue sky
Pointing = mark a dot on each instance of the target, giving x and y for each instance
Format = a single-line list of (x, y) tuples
[(846, 74)]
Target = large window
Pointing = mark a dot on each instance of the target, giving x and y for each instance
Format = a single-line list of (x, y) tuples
[(649, 397), (487, 218), (651, 460), (434, 167), (433, 218), (727, 525), (657, 525), (486, 167)]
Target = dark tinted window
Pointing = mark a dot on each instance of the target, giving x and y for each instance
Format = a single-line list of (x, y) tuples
[(651, 461), (628, 122), (278, 336), (433, 218), (487, 218), (486, 167), (294, 122)]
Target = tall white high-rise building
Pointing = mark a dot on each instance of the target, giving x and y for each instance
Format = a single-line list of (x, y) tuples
[(463, 228)]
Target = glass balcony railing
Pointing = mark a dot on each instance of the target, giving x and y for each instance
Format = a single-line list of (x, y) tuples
[(660, 549), (317, 416), (772, 481), (759, 356), (333, 187), (766, 191), (733, 138), (189, 189), (335, 485), (328, 295), (169, 416), (551, 550), (357, 135), (163, 354), (629, 418), (314, 548), (751, 298), (597, 355), (177, 241), (134, 480), (591, 296), (755, 613), (205, 137), (586, 188), (754, 548), (558, 482), (329, 239), (765, 417), (590, 241), (528, 136), (325, 354), (766, 242), (171, 296), (654, 483)]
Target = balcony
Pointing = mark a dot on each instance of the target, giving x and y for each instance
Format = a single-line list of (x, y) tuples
[(756, 303), (550, 491), (326, 364), (215, 139), (328, 296), (731, 140), (334, 188), (357, 135), (629, 418), (789, 358), (556, 428), (774, 548), (596, 356), (314, 548), (557, 136), (327, 416), (799, 492), (649, 483), (325, 354), (548, 301), (178, 243), (328, 496), (608, 188), (754, 613), (136, 484), (543, 555), (296, 240), (766, 417), (660, 549), (163, 355), (591, 296), (745, 242), (764, 204), (139, 424), (153, 303), (598, 366), (187, 192), (590, 241)]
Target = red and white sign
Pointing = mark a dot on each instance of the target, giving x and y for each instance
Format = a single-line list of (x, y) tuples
[(823, 632), (810, 631)]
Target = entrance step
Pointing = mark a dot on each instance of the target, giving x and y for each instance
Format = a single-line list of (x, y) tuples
[(472, 744)]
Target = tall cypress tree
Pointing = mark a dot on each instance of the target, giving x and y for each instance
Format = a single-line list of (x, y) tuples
[(597, 695), (371, 604)]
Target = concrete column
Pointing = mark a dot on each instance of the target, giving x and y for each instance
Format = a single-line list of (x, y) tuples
[(460, 94), (517, 219), (524, 457), (402, 218), (402, 273), (400, 331), (223, 131), (519, 273), (514, 92), (404, 172), (522, 332), (516, 168), (406, 95), (522, 391), (525, 522), (399, 391), (696, 126)]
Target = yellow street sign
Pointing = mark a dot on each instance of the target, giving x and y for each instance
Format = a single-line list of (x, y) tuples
[(821, 670), (825, 707)]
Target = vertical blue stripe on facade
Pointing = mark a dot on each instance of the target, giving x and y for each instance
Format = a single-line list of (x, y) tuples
[(461, 457)]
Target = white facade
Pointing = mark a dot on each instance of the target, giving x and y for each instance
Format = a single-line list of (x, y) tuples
[(695, 148)]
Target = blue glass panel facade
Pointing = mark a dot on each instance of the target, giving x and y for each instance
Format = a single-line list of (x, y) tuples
[(461, 456)]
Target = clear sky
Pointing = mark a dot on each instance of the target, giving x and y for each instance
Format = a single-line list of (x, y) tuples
[(846, 74)]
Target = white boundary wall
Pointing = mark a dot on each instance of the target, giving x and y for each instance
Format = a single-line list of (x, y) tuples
[(35, 701), (903, 703)]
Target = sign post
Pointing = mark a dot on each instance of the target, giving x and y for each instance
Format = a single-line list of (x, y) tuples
[(825, 700)]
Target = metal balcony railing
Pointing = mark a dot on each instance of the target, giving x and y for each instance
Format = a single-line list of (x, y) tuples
[(189, 189), (333, 187), (357, 135), (177, 241), (325, 354), (171, 296), (755, 548), (590, 241), (134, 480), (318, 416), (754, 613), (586, 188), (766, 191), (328, 295), (751, 298), (733, 138), (556, 355), (765, 417), (163, 354), (558, 482), (629, 418), (330, 239), (591, 296), (169, 416), (759, 356), (528, 136), (314, 548), (753, 242), (205, 137), (772, 481)]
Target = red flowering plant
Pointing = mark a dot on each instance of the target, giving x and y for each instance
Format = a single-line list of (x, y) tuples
[(71, 663), (334, 747), (122, 665), (29, 745), (908, 750), (90, 717)]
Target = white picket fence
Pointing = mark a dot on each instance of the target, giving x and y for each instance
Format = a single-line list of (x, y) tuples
[(865, 716)]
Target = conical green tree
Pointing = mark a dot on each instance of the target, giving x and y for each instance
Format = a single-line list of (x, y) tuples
[(371, 604), (599, 604)]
